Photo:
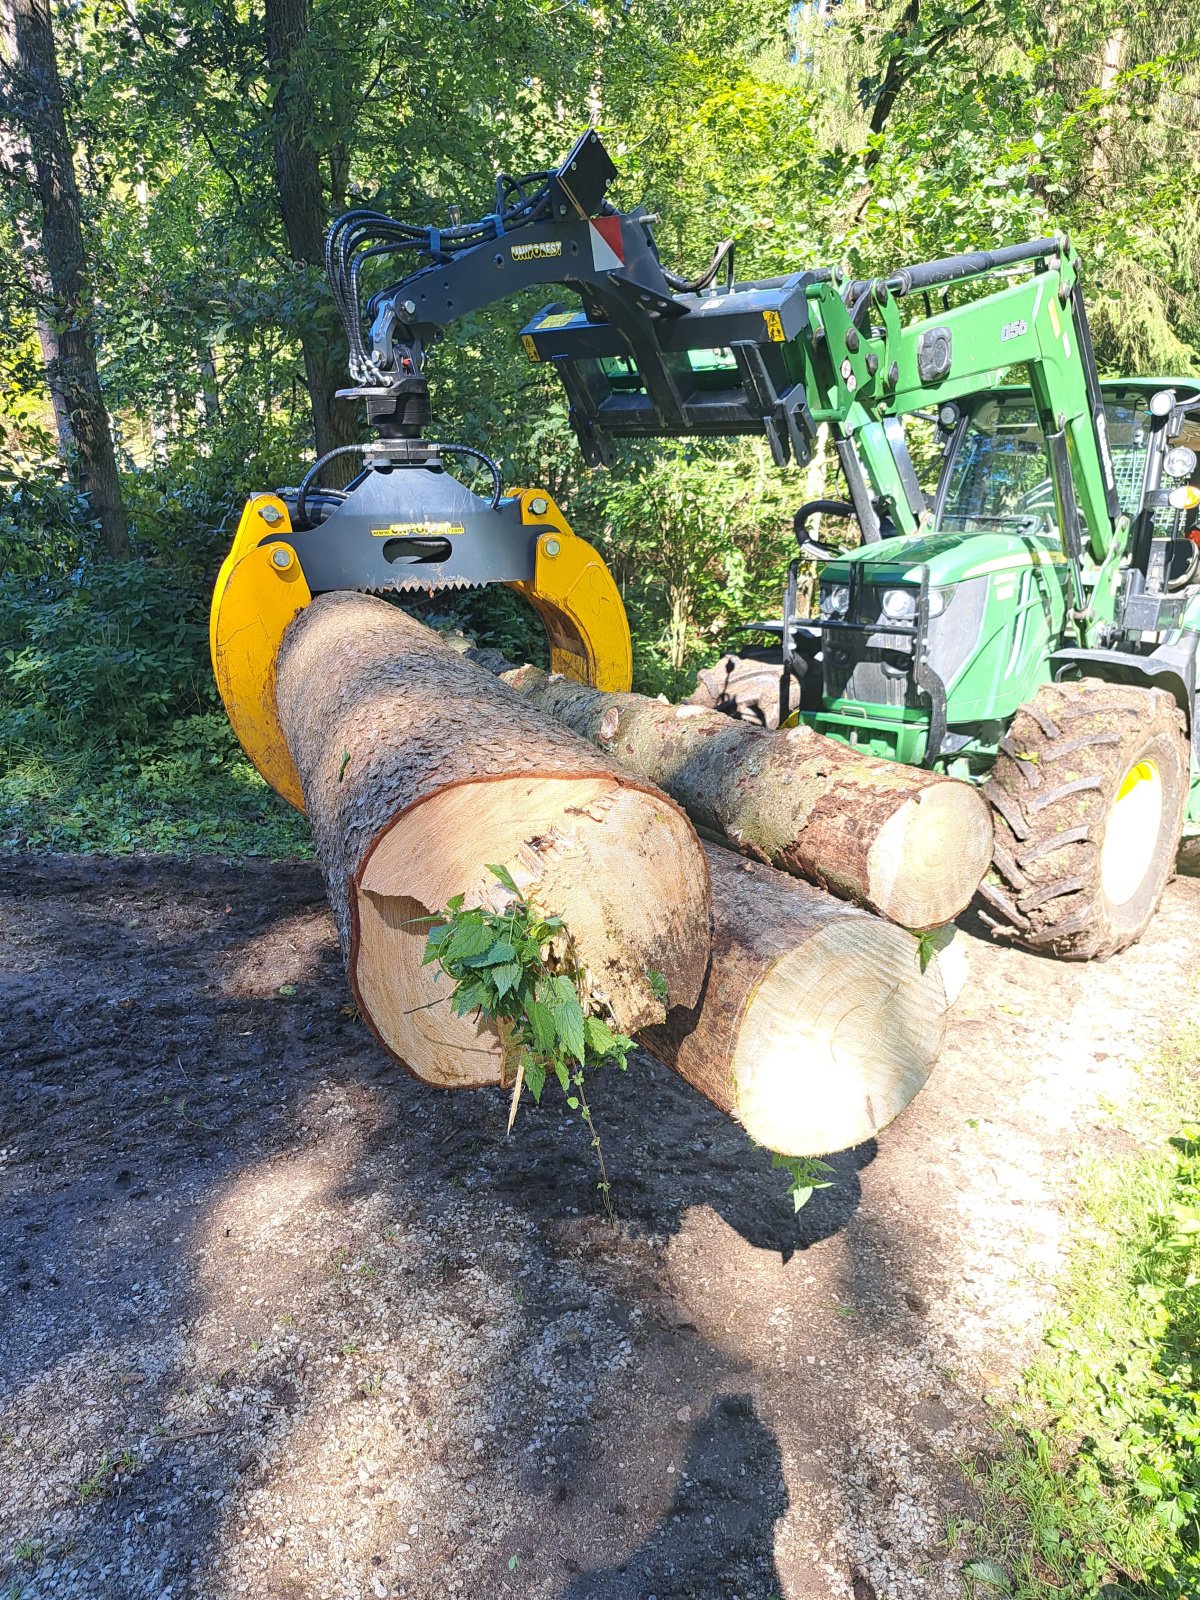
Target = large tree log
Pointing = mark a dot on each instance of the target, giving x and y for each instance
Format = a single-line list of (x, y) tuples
[(418, 770), (910, 845), (817, 1024)]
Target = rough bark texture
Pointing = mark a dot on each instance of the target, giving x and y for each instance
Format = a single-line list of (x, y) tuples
[(304, 212), (418, 770), (32, 105), (910, 845), (817, 1024)]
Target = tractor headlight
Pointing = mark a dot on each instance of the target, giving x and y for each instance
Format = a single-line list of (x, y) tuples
[(835, 601), (899, 605)]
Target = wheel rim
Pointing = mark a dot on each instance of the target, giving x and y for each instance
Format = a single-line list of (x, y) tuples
[(1131, 834)]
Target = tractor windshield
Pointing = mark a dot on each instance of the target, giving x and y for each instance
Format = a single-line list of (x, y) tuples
[(999, 476)]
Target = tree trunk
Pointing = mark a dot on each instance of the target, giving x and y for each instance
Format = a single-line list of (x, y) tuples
[(817, 1025), (910, 845), (418, 770), (51, 360), (302, 205), (33, 104)]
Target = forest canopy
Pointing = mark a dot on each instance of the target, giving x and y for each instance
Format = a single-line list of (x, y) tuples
[(208, 144)]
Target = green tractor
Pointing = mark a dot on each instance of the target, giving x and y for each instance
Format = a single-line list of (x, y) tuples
[(1031, 626), (1062, 678)]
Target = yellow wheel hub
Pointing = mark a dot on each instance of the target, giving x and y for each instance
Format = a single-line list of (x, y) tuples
[(1131, 834)]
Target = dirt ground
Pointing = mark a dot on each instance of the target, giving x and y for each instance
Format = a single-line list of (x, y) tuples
[(277, 1321)]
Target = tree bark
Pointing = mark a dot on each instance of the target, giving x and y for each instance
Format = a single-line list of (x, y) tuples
[(33, 105), (909, 845), (302, 206), (418, 770), (817, 1024)]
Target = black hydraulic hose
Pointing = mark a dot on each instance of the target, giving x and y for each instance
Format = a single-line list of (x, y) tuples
[(810, 508), (694, 285), (362, 233), (309, 477), (949, 269), (307, 480), (477, 455)]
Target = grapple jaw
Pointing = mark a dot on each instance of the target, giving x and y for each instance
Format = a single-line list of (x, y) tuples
[(411, 528)]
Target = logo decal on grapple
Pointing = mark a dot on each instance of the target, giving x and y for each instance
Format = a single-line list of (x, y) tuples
[(536, 252), (421, 530)]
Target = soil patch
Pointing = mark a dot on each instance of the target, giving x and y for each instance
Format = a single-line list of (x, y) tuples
[(276, 1320)]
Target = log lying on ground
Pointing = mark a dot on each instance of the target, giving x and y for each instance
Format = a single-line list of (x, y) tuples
[(418, 770), (817, 1025), (911, 845)]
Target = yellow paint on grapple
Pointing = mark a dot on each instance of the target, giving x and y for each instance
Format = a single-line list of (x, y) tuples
[(580, 606), (253, 601), (261, 587)]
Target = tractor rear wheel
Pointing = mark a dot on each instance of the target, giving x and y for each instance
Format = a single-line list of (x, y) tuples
[(1087, 794)]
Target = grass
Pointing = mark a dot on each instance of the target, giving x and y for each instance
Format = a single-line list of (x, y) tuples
[(1096, 1489), (191, 793)]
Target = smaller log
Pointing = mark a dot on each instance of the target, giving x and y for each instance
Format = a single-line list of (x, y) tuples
[(912, 846), (817, 1025)]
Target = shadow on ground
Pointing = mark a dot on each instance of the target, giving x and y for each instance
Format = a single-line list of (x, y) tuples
[(276, 1319)]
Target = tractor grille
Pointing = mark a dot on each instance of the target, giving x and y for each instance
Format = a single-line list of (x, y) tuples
[(875, 668)]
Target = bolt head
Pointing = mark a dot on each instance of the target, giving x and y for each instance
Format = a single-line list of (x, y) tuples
[(551, 547), (282, 559), (270, 515), (539, 505)]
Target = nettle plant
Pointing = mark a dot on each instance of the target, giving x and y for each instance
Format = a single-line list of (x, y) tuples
[(517, 969)]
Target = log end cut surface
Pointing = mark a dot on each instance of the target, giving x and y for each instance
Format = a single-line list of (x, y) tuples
[(619, 867), (419, 772), (930, 855), (837, 1039)]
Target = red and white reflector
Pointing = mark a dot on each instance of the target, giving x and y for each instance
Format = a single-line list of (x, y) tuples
[(608, 252)]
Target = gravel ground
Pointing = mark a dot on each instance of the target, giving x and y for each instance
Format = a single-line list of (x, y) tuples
[(278, 1321)]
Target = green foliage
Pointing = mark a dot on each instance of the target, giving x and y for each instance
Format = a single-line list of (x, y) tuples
[(698, 539), (190, 791), (805, 1174), (517, 970), (1099, 1482), (931, 941), (116, 645)]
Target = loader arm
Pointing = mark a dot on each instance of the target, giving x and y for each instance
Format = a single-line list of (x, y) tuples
[(888, 369)]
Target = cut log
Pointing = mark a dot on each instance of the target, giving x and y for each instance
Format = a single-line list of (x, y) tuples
[(911, 845), (817, 1025), (418, 771)]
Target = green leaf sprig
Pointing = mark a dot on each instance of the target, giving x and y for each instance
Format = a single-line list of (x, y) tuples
[(517, 969)]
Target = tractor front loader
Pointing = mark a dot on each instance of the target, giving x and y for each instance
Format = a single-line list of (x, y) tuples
[(1032, 629)]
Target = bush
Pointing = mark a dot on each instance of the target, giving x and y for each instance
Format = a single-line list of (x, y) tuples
[(114, 652)]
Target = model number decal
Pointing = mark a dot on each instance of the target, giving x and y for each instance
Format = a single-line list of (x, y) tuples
[(536, 252), (422, 530), (1013, 330)]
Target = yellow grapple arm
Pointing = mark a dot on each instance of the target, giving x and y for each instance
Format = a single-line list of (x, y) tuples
[(261, 586)]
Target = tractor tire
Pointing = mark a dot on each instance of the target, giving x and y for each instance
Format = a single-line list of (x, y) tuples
[(1087, 796)]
